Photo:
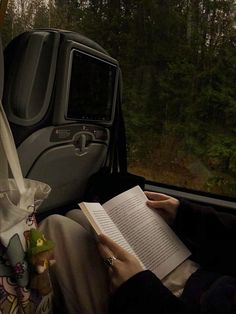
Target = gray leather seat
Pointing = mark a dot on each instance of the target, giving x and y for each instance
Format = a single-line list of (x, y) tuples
[(60, 97)]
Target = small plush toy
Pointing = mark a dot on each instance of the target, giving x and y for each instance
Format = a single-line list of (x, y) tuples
[(40, 253)]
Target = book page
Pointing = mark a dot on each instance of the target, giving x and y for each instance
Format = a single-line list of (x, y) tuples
[(102, 223), (151, 238)]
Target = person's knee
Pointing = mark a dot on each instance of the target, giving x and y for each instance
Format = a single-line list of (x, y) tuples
[(58, 226), (74, 213), (52, 220), (78, 216)]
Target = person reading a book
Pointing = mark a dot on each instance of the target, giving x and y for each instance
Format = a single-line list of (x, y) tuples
[(204, 283)]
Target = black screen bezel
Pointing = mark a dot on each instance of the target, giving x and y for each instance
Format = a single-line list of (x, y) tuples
[(90, 119)]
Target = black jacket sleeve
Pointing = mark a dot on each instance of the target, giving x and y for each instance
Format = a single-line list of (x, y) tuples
[(144, 293), (209, 234)]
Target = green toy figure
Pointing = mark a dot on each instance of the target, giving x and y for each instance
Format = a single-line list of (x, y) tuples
[(40, 253)]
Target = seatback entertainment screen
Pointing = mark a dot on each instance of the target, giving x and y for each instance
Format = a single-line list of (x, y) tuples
[(92, 88)]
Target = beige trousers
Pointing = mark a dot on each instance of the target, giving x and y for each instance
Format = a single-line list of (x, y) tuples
[(79, 276)]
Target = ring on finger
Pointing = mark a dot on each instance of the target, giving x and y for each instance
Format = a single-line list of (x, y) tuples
[(110, 260)]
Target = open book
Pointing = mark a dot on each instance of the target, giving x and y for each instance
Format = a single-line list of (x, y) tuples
[(140, 230)]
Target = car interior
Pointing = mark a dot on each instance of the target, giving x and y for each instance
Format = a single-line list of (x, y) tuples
[(62, 95), (67, 135), (63, 130)]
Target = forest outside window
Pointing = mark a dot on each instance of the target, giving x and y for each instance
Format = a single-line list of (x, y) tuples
[(178, 59)]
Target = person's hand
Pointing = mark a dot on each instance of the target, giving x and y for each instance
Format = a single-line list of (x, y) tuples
[(166, 205), (124, 265)]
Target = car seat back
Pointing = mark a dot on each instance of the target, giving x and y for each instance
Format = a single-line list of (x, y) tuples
[(60, 96)]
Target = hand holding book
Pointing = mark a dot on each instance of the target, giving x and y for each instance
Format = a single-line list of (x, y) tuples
[(139, 229), (166, 205), (125, 264)]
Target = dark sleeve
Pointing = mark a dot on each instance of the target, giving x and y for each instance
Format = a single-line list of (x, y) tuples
[(209, 234), (144, 293)]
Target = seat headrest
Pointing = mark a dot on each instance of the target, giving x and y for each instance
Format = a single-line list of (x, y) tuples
[(30, 63), (1, 68)]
